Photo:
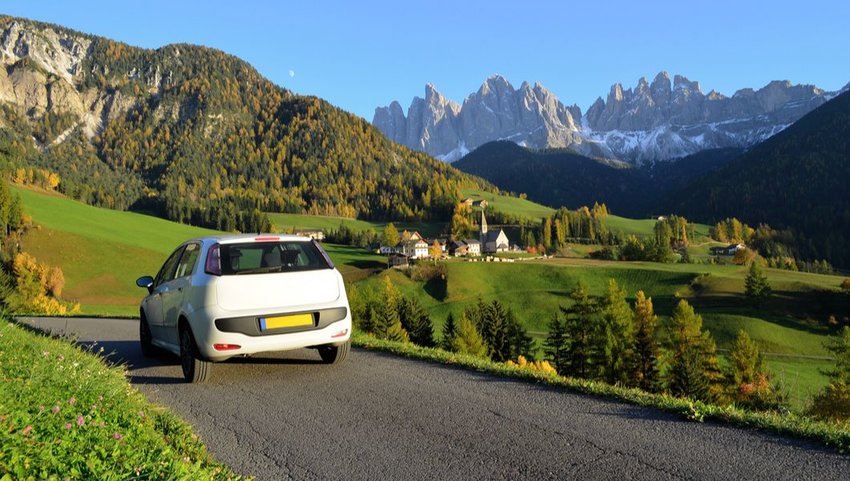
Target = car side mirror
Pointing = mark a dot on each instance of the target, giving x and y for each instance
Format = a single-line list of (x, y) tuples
[(146, 282)]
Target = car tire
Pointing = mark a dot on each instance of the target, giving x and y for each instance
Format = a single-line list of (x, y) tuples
[(334, 354), (145, 337), (195, 369)]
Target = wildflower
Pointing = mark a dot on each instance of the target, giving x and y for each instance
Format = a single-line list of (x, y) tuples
[(100, 398), (27, 430), (80, 420), (117, 436), (55, 409), (61, 358), (41, 409), (45, 353), (68, 425), (72, 401), (141, 414)]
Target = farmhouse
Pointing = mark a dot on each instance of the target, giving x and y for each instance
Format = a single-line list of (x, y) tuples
[(458, 248), (473, 247), (316, 234), (729, 250)]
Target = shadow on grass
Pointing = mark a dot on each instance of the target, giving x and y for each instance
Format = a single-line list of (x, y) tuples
[(437, 288)]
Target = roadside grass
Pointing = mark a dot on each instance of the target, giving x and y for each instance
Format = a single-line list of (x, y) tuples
[(834, 435), (65, 414)]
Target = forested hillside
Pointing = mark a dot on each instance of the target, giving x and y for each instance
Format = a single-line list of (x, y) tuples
[(796, 180), (199, 136), (559, 177)]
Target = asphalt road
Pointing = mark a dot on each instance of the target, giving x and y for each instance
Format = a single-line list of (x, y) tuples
[(285, 416)]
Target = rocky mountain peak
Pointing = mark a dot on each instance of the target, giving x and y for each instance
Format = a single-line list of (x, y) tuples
[(660, 120), (530, 115)]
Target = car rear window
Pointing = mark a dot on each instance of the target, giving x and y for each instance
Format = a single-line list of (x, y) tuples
[(264, 257)]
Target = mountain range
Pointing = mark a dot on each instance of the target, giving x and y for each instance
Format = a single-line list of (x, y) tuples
[(655, 121)]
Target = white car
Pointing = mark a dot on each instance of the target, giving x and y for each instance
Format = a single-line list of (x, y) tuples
[(220, 297)]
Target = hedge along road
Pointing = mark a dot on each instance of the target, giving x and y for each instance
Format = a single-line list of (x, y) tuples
[(377, 416)]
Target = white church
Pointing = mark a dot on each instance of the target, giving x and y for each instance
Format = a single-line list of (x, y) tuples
[(492, 242)]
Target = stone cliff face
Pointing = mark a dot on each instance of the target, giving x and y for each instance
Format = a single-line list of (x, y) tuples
[(656, 121), (44, 72)]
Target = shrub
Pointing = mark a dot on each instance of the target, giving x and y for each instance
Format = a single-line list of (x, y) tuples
[(846, 284), (538, 366)]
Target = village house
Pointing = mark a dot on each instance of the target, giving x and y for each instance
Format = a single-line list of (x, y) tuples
[(316, 234), (729, 250), (473, 247), (458, 248)]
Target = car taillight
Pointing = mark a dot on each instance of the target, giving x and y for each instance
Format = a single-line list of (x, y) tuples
[(324, 254), (226, 347), (213, 263)]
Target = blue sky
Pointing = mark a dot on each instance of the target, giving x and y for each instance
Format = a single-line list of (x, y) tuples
[(363, 54)]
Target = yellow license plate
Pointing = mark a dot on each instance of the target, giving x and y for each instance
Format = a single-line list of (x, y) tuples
[(277, 322)]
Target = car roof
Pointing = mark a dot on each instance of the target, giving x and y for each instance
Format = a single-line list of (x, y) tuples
[(244, 238)]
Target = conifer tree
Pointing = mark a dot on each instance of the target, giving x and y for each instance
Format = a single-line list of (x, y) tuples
[(449, 333), (646, 373), (387, 322), (756, 287), (556, 346), (695, 370), (416, 322), (833, 402), (617, 336), (581, 324), (468, 340), (748, 380)]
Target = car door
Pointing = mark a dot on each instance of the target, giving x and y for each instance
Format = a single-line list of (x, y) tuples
[(153, 304), (177, 290)]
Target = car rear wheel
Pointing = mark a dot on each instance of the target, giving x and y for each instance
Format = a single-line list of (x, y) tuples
[(334, 354), (195, 369), (145, 337)]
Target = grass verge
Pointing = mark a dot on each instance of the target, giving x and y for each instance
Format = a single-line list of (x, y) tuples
[(65, 414), (833, 435)]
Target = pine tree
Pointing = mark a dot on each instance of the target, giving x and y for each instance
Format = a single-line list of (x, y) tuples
[(695, 371), (581, 324), (468, 340), (449, 333), (748, 380), (387, 322), (416, 322), (833, 402), (547, 233), (756, 287), (556, 346), (617, 336), (645, 374)]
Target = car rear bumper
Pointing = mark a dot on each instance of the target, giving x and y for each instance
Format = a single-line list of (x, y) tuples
[(333, 330)]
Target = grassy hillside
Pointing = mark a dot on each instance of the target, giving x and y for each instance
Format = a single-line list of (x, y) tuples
[(789, 329), (102, 252), (509, 205), (328, 223)]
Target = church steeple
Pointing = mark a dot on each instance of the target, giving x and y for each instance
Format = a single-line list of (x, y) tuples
[(483, 226)]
